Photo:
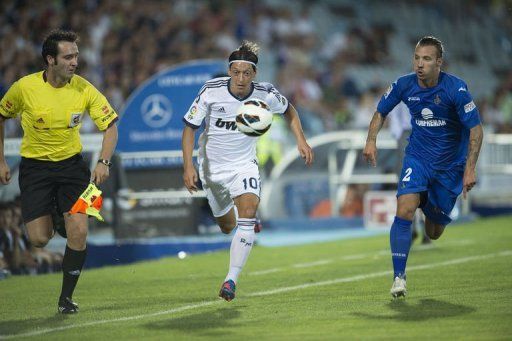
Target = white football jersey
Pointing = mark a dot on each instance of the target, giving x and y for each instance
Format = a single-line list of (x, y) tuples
[(221, 145)]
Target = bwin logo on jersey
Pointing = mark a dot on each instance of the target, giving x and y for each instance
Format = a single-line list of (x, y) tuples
[(229, 125)]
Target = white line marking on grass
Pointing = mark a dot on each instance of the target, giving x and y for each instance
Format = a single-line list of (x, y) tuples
[(354, 257), (424, 247), (308, 265), (374, 255), (433, 245), (462, 242), (261, 293), (264, 272), (120, 319), (367, 255), (376, 274)]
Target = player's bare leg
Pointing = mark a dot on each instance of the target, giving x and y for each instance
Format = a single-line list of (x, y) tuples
[(247, 205), (407, 205), (40, 230), (242, 242), (228, 221), (433, 230)]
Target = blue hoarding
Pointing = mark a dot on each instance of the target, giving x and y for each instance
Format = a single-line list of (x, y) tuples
[(152, 117)]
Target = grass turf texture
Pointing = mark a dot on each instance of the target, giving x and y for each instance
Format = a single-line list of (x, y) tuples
[(321, 296)]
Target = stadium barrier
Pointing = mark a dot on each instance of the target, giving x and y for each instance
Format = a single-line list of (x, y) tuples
[(342, 153), (339, 157), (493, 192)]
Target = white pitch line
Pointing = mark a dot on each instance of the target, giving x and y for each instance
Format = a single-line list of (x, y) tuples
[(376, 274), (264, 272), (261, 293), (354, 257), (366, 255), (120, 319), (308, 265), (386, 252)]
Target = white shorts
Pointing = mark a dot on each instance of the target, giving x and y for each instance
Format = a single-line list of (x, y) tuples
[(221, 186)]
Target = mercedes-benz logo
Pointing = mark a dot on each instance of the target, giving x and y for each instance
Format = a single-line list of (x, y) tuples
[(156, 111)]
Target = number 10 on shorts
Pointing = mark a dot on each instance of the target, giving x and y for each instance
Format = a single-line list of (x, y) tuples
[(251, 183)]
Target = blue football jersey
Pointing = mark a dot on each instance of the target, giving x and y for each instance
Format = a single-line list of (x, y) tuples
[(441, 117)]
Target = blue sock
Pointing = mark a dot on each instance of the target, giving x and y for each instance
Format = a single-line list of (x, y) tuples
[(400, 240)]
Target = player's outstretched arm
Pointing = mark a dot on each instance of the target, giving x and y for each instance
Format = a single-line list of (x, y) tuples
[(305, 151), (476, 136), (5, 172), (370, 149), (190, 177), (101, 172)]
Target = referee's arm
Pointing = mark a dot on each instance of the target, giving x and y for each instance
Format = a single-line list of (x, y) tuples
[(101, 171), (5, 171)]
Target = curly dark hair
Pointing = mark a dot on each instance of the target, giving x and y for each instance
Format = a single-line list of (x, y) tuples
[(50, 43)]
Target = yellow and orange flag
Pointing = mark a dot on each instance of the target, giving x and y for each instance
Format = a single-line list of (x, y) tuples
[(89, 202)]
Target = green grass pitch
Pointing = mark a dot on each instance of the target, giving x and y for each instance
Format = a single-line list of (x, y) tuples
[(459, 288)]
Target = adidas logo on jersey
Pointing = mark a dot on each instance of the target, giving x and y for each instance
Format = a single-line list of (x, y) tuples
[(40, 120), (229, 125), (222, 109)]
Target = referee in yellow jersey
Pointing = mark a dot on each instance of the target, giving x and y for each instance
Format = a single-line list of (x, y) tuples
[(53, 173)]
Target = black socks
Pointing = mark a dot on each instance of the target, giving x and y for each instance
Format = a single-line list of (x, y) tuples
[(71, 267)]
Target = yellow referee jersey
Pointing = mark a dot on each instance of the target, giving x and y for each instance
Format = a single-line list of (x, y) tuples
[(51, 117)]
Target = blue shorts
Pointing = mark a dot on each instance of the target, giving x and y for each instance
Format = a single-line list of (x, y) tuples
[(442, 186)]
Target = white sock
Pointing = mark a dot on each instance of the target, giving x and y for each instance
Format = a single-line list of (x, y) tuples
[(241, 246)]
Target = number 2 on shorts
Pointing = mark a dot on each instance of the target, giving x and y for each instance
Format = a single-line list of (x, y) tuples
[(407, 176)]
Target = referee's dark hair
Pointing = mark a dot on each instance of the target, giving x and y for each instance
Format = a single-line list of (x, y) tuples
[(51, 42), (432, 41)]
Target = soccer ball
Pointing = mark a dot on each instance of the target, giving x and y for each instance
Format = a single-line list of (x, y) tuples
[(253, 117)]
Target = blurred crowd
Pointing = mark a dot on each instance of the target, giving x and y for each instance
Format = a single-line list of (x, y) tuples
[(17, 255), (125, 42), (497, 110)]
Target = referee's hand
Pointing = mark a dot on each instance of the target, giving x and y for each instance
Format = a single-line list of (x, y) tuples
[(100, 173), (5, 173)]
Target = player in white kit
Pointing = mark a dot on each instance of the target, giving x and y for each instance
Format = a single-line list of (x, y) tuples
[(228, 166)]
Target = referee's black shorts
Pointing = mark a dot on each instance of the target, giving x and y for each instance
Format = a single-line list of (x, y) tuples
[(48, 184)]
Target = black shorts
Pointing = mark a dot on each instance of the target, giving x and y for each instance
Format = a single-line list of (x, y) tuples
[(45, 185)]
